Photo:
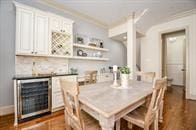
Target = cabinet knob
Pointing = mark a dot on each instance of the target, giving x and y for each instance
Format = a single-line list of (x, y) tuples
[(35, 52), (32, 52)]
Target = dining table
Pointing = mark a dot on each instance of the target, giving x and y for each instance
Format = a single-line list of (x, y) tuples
[(108, 104)]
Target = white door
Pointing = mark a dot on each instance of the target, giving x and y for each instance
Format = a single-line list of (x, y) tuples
[(176, 59), (41, 34), (24, 31)]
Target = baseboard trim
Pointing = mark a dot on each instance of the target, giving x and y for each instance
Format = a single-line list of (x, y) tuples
[(192, 97), (5, 110)]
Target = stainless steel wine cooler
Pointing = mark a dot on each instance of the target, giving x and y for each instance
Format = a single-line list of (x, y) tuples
[(33, 97)]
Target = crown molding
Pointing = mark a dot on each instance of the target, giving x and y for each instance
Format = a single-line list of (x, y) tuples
[(75, 13), (181, 15)]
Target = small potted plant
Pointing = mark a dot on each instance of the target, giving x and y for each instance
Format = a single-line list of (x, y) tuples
[(125, 71)]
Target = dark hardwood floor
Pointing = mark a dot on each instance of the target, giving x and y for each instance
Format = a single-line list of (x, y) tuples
[(179, 114)]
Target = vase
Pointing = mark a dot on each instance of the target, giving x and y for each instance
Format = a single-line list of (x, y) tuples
[(124, 80)]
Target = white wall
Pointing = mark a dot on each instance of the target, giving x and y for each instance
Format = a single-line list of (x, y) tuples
[(151, 48)]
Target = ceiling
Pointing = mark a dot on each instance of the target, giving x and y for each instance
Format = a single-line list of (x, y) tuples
[(112, 12)]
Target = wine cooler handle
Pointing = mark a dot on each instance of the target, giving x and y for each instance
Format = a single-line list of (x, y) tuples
[(19, 98)]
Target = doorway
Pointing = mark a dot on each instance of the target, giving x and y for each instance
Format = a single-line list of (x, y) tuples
[(174, 57)]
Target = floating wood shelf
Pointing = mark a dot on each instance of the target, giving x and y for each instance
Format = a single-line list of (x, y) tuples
[(89, 58), (90, 47)]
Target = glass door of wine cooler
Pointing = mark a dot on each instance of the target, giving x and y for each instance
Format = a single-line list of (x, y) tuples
[(34, 97)]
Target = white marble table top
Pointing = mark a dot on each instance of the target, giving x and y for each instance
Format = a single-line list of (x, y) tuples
[(109, 101)]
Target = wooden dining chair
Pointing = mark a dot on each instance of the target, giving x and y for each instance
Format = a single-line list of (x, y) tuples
[(145, 76), (90, 76), (74, 117), (144, 117)]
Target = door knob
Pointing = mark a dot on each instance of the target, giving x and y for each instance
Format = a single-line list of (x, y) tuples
[(182, 69)]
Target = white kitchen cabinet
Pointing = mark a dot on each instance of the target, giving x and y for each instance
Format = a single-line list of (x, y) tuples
[(31, 31), (24, 30), (60, 24), (57, 99), (41, 33), (55, 23), (67, 26), (60, 36)]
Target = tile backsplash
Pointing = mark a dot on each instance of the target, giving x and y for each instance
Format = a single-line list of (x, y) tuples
[(43, 65)]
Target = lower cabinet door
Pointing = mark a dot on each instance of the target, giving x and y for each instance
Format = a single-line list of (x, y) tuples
[(57, 98), (57, 101)]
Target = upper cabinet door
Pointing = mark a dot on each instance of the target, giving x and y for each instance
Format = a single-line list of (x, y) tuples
[(66, 27), (55, 24), (24, 31), (41, 33)]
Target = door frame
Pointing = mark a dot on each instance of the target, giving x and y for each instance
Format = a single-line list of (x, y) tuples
[(186, 28)]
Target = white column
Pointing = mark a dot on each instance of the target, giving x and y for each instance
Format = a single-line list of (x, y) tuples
[(131, 47)]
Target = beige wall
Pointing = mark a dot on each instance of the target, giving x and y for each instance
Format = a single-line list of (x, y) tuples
[(151, 49)]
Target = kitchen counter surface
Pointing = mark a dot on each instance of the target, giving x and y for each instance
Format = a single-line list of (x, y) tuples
[(21, 77)]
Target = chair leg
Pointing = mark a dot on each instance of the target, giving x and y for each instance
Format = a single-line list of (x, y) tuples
[(130, 125), (161, 112), (118, 124), (67, 123), (156, 121), (146, 127)]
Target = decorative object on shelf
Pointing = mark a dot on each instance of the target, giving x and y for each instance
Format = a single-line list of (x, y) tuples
[(101, 44), (61, 43), (94, 42), (115, 70), (94, 54), (125, 71), (81, 39), (84, 54), (79, 52), (98, 54)]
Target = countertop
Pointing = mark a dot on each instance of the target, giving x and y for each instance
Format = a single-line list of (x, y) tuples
[(20, 77)]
